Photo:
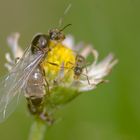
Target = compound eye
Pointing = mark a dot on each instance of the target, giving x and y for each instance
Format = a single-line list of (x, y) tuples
[(53, 34)]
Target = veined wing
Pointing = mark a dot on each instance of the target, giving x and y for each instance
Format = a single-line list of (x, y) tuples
[(11, 87)]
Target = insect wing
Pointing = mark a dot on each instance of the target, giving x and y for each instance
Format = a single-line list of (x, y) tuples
[(12, 86)]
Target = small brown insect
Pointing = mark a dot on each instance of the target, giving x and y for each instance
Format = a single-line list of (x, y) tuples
[(80, 64), (78, 67)]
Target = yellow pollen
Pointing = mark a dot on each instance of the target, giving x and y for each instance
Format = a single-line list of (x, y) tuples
[(59, 59)]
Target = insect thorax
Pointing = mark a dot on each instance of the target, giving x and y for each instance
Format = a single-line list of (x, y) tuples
[(40, 43)]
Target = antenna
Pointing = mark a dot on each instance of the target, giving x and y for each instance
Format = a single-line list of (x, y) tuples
[(65, 12), (65, 27)]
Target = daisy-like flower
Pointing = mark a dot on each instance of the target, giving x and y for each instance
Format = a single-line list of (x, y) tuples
[(67, 70)]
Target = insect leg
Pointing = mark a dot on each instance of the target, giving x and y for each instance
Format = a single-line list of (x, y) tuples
[(87, 78)]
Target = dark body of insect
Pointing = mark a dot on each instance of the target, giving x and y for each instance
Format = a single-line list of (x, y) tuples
[(37, 87)]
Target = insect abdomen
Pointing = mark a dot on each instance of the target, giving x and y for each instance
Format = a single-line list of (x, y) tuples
[(35, 86)]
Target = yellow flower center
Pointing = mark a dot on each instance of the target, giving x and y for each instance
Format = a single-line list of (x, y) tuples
[(59, 62)]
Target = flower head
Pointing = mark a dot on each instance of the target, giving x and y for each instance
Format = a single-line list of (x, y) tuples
[(66, 69)]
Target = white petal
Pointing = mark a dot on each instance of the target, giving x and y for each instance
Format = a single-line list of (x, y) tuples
[(8, 66), (86, 88), (86, 51), (103, 68), (12, 41), (69, 42), (95, 55), (8, 58)]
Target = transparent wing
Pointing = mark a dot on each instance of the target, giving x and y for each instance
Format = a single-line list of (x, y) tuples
[(12, 85)]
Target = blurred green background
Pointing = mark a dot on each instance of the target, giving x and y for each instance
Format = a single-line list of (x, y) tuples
[(112, 111)]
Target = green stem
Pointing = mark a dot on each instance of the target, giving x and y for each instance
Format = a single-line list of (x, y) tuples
[(37, 131)]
